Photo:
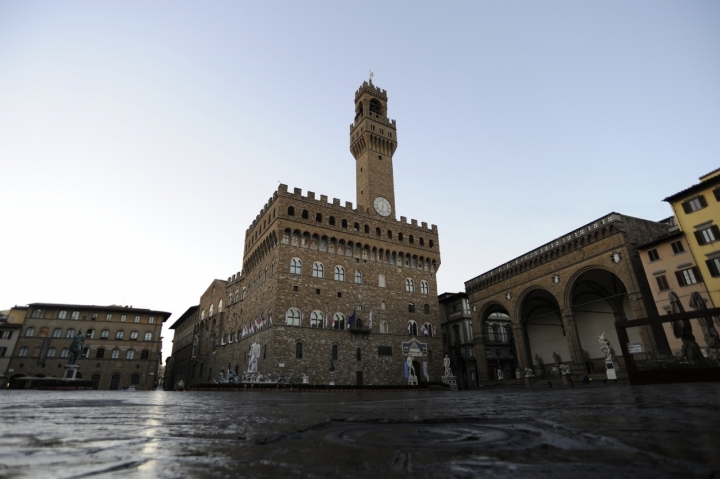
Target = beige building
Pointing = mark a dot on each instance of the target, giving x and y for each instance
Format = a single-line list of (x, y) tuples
[(10, 326), (313, 264), (122, 344)]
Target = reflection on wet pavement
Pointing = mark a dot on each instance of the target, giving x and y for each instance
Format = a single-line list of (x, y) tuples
[(604, 431)]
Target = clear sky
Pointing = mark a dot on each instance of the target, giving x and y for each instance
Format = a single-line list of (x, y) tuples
[(138, 140)]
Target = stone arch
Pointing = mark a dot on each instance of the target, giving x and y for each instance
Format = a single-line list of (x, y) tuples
[(541, 333)]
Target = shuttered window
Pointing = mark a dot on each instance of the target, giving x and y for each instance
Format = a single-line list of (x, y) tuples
[(662, 283), (707, 235), (688, 276), (694, 204), (714, 266)]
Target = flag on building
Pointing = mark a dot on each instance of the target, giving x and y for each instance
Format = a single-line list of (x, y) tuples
[(351, 319), (424, 329), (370, 320)]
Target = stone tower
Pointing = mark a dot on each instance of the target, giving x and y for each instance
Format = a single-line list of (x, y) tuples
[(373, 140)]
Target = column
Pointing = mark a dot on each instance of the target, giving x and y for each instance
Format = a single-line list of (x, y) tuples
[(521, 348), (576, 355), (480, 356)]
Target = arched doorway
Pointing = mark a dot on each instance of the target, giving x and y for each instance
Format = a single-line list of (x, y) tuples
[(598, 299), (500, 356), (95, 380), (545, 337), (115, 382)]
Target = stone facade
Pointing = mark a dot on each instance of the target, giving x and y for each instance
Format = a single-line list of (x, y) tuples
[(562, 296), (310, 262), (122, 344)]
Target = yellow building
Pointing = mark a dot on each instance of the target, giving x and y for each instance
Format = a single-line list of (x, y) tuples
[(697, 210)]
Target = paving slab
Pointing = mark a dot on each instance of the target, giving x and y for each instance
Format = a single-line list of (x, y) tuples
[(599, 431)]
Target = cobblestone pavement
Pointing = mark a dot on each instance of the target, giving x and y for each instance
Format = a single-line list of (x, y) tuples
[(599, 431)]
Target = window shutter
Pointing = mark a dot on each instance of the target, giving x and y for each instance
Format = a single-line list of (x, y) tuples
[(699, 237), (680, 278), (716, 192), (712, 267), (702, 201), (715, 231), (661, 286), (697, 274), (686, 207)]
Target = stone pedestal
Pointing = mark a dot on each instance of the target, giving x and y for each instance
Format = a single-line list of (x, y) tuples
[(566, 379), (305, 379), (332, 378), (611, 367), (450, 381), (412, 381), (71, 371)]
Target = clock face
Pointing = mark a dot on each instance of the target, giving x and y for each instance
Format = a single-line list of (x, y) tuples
[(382, 206)]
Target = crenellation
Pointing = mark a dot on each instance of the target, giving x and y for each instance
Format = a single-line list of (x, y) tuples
[(413, 222), (423, 225), (311, 195), (403, 219), (336, 201), (297, 192), (348, 205), (323, 198)]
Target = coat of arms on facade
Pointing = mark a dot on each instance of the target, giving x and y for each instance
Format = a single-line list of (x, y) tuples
[(556, 278), (508, 296), (616, 257)]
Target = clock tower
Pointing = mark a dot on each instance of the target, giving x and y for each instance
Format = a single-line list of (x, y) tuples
[(373, 140)]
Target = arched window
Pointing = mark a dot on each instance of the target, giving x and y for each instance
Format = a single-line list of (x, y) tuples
[(331, 221), (344, 223), (292, 317), (298, 350), (220, 303), (427, 329), (426, 309), (291, 211), (338, 321), (295, 266), (367, 229), (90, 334), (430, 243), (148, 336), (318, 270), (422, 242), (100, 353), (23, 352), (145, 354), (130, 354), (119, 335), (62, 315), (409, 285), (115, 354), (400, 236), (339, 273), (304, 214), (36, 313), (389, 234), (211, 310), (411, 307), (412, 328), (377, 232), (64, 353), (383, 327), (202, 314), (316, 319), (134, 379), (29, 332), (356, 226), (104, 334), (334, 351), (381, 280), (70, 333), (411, 239), (237, 295), (244, 292), (272, 268), (133, 335), (358, 277), (318, 217), (51, 353), (424, 287), (75, 315), (57, 332)]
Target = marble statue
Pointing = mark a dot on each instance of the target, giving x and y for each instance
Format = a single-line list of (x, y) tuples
[(529, 373), (500, 374), (564, 369), (556, 359), (232, 377), (254, 356), (411, 368), (538, 360), (518, 373), (446, 363), (76, 347), (605, 348)]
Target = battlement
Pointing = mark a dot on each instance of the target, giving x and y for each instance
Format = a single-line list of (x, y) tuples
[(369, 88), (310, 196), (374, 117), (262, 213)]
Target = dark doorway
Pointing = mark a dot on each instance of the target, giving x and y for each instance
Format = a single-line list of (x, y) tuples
[(359, 378), (115, 382), (418, 372), (95, 380)]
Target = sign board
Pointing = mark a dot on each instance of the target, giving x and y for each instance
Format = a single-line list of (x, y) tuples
[(634, 348), (44, 351)]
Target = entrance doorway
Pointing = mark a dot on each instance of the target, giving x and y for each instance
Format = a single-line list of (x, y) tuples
[(359, 378), (115, 382)]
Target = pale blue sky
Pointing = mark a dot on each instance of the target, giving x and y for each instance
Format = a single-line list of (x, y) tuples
[(138, 140)]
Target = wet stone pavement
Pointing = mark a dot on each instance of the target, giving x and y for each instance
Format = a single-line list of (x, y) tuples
[(599, 431)]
